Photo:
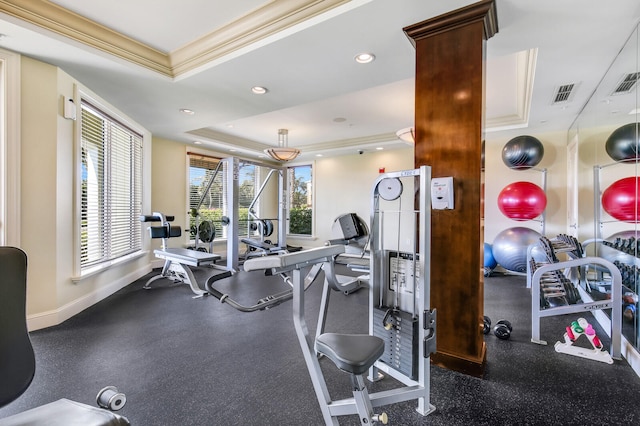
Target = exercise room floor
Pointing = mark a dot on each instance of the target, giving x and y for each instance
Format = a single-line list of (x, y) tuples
[(183, 361)]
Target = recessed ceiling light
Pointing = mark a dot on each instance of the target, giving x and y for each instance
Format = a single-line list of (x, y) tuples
[(259, 90), (197, 142), (379, 148), (365, 58), (187, 111), (318, 155)]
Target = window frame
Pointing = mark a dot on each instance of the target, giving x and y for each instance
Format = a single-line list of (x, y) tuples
[(313, 198), (82, 94), (10, 148), (222, 231)]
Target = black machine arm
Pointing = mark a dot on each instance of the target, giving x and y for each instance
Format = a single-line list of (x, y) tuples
[(264, 303)]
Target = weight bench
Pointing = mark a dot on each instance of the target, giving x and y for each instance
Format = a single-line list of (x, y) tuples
[(177, 261), (352, 353)]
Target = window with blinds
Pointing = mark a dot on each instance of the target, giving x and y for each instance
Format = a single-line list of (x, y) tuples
[(208, 199), (111, 188), (207, 188)]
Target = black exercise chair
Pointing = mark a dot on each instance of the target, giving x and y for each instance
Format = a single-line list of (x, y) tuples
[(17, 359)]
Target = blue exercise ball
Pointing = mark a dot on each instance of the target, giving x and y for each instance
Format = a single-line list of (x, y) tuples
[(522, 152), (623, 144), (510, 247), (489, 261)]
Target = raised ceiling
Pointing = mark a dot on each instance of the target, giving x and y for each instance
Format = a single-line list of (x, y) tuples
[(150, 58)]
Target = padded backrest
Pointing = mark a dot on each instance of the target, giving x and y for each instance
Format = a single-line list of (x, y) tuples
[(17, 360)]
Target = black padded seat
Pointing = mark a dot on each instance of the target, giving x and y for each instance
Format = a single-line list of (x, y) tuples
[(353, 353), (17, 358)]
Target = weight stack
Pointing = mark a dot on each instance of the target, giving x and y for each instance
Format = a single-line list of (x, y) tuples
[(400, 347)]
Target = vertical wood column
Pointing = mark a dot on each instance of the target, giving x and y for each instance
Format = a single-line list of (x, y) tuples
[(449, 121)]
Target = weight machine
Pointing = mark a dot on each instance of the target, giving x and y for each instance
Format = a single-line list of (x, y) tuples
[(205, 231), (230, 169), (265, 227), (351, 230), (401, 326), (399, 298), (177, 261)]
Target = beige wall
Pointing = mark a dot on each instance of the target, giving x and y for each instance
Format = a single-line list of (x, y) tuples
[(344, 185), (48, 232), (169, 185), (38, 183)]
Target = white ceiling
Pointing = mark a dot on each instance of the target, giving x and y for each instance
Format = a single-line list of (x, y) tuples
[(302, 51)]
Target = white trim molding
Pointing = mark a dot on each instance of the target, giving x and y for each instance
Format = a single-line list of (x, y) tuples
[(10, 149), (256, 26), (57, 316)]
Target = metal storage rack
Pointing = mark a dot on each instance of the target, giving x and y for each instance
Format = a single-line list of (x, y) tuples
[(545, 272)]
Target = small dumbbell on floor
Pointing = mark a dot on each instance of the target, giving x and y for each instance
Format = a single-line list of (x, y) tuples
[(502, 329)]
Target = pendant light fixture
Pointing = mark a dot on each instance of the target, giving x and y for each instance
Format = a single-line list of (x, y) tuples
[(283, 152)]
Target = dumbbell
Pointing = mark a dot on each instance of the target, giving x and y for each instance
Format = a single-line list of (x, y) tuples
[(111, 399), (486, 326), (503, 329)]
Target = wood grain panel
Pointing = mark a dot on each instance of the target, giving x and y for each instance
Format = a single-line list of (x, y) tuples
[(449, 121)]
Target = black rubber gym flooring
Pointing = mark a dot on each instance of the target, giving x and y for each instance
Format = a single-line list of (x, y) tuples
[(183, 361)]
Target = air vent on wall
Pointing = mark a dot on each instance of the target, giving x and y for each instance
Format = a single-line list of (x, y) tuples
[(563, 94), (627, 83)]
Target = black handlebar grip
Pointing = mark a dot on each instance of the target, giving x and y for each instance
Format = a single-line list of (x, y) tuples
[(212, 291)]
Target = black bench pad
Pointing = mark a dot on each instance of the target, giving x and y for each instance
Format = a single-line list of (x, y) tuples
[(353, 353)]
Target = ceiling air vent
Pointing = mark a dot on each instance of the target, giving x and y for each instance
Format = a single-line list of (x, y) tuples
[(627, 83), (564, 93)]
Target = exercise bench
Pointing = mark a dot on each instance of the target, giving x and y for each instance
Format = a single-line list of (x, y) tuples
[(177, 261), (352, 353)]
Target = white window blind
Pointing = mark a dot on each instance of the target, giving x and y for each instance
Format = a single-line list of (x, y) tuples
[(111, 182), (214, 201), (206, 197)]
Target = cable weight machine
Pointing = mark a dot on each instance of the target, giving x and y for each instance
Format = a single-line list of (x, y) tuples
[(399, 297)]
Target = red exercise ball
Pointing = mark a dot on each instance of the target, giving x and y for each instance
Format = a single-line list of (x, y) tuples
[(522, 201), (621, 199)]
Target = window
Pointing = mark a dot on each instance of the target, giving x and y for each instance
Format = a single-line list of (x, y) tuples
[(209, 199), (111, 188), (300, 203), (206, 197)]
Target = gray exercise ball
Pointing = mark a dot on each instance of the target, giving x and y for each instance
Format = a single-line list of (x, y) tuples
[(623, 144), (510, 247), (522, 152)]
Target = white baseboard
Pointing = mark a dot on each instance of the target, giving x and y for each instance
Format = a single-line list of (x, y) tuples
[(57, 316)]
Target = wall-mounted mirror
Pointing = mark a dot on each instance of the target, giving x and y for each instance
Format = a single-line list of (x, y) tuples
[(603, 204)]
